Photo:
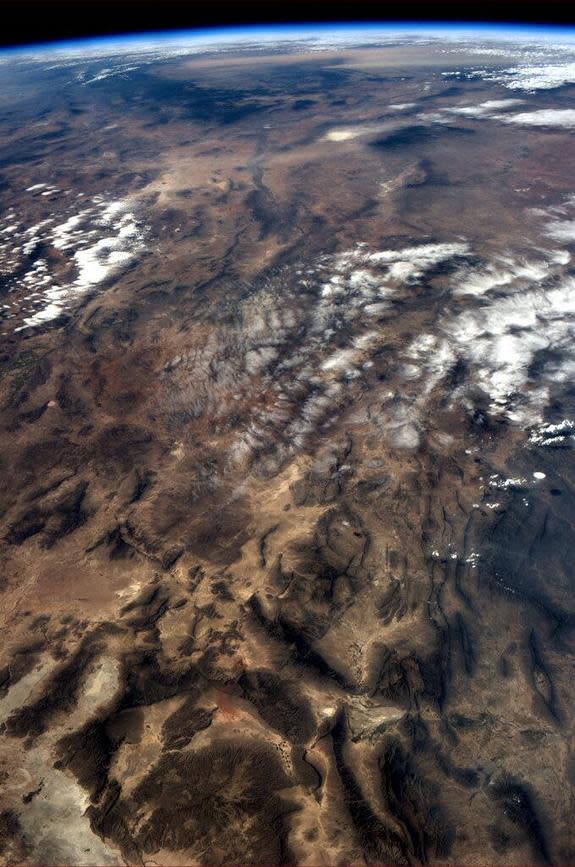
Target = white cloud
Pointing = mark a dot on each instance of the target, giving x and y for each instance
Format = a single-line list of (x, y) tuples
[(484, 109), (562, 230), (553, 435), (503, 272), (534, 77), (557, 117), (411, 263), (96, 241), (498, 104)]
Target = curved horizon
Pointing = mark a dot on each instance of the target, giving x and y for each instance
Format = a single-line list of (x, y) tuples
[(298, 29)]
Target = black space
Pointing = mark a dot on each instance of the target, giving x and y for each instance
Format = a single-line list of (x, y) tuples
[(29, 21)]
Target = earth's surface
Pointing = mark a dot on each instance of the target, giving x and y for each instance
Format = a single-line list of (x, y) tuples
[(287, 417)]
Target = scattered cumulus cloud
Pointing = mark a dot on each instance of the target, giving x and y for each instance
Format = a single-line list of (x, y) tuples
[(49, 265), (485, 109), (534, 77), (554, 117)]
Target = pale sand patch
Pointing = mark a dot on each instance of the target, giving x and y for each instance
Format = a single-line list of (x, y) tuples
[(18, 695), (54, 823)]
